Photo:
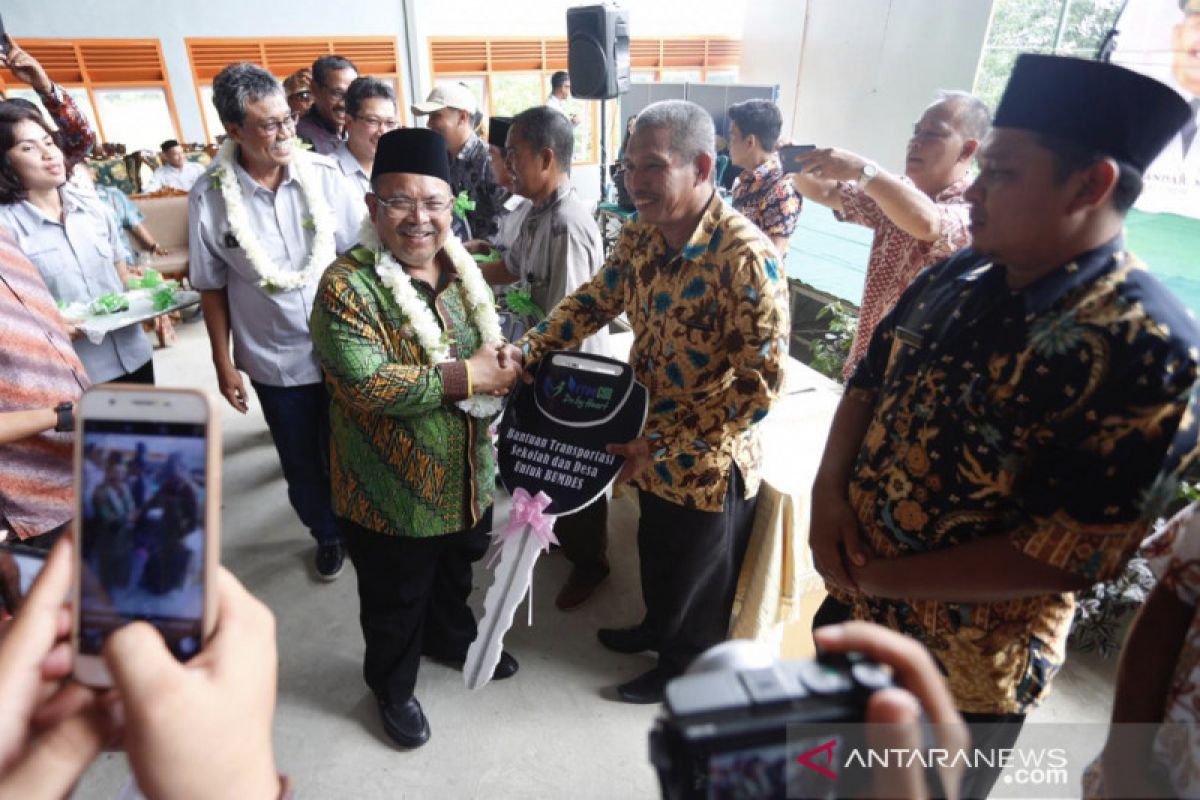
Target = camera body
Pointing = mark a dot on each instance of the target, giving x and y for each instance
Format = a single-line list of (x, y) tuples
[(740, 732)]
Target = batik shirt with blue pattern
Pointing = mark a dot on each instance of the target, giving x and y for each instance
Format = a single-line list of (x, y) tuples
[(711, 331), (1058, 416)]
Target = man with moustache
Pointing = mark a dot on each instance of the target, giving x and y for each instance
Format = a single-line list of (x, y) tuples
[(707, 301), (919, 218), (370, 113), (324, 124), (266, 219), (1025, 411), (404, 328)]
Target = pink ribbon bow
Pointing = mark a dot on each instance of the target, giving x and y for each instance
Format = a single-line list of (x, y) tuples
[(528, 510)]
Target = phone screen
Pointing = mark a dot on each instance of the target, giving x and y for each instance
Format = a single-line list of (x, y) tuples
[(142, 503)]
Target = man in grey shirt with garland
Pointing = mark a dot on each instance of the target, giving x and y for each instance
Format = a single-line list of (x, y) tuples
[(557, 249), (267, 218)]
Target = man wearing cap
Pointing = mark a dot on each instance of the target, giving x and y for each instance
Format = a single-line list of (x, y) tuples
[(405, 329), (450, 108), (1024, 412), (266, 219), (298, 88), (557, 250), (707, 301), (324, 124)]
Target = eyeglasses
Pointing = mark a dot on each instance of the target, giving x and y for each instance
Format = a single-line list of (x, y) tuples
[(271, 127), (400, 207), (375, 123)]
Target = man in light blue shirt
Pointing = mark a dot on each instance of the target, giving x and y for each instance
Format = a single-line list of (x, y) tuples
[(266, 219)]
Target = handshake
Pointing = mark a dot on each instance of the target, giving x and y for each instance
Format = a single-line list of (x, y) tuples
[(494, 368)]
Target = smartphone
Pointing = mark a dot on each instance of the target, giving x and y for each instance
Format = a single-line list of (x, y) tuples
[(148, 486), (791, 156), (20, 564)]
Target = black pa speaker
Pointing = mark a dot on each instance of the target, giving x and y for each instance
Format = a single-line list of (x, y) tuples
[(598, 51)]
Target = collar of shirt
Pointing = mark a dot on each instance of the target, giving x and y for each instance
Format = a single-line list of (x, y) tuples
[(952, 193), (470, 150), (30, 216), (1039, 296), (348, 162), (250, 186), (704, 237), (768, 171), (564, 189), (314, 116)]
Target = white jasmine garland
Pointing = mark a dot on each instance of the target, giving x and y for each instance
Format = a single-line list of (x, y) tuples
[(320, 221), (425, 328)]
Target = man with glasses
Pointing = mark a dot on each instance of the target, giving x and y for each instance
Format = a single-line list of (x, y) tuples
[(451, 109), (298, 87), (370, 113), (324, 125), (414, 472), (266, 219)]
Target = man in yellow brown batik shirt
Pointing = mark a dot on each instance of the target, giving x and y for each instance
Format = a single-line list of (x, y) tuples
[(1023, 413), (708, 305)]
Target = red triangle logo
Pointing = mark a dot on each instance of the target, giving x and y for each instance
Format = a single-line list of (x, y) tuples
[(809, 759)]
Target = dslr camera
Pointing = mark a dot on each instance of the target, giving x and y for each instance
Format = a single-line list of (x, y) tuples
[(778, 730)]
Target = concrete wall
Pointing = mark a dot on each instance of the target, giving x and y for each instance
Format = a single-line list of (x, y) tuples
[(856, 73)]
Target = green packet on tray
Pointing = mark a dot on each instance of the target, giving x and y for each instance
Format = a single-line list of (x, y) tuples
[(110, 303)]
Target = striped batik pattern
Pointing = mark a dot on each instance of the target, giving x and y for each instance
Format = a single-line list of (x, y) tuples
[(38, 369)]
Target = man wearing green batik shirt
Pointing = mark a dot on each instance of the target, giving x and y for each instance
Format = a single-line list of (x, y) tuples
[(413, 474)]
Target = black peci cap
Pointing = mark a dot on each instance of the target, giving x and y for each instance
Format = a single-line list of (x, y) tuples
[(498, 131), (1118, 112), (419, 151)]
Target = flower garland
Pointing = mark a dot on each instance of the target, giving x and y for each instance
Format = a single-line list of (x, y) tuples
[(429, 334), (320, 221)]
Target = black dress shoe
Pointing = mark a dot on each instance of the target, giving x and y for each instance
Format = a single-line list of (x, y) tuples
[(645, 688), (330, 560), (405, 723), (506, 667), (627, 640)]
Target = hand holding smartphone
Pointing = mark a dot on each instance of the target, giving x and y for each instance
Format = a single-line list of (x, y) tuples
[(791, 156), (148, 485)]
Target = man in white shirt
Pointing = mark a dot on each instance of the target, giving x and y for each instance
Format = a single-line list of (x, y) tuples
[(265, 222), (176, 171), (560, 93)]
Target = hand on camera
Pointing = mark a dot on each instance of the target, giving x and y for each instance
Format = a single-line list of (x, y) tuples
[(894, 715)]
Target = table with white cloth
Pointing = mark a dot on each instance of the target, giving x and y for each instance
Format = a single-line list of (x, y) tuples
[(778, 589)]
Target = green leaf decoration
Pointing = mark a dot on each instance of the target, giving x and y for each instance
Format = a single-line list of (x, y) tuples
[(109, 303), (463, 203), (164, 298), (520, 301)]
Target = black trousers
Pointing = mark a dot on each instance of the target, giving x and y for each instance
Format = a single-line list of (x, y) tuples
[(690, 565), (989, 732), (143, 374), (412, 595), (584, 538)]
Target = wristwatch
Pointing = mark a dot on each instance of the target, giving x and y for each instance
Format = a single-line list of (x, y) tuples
[(66, 417), (869, 171)]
